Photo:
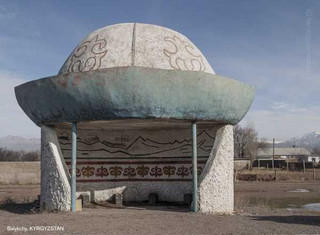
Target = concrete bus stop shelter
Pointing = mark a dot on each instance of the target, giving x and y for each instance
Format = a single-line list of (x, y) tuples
[(135, 110)]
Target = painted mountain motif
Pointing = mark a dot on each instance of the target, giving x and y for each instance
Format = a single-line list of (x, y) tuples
[(140, 146)]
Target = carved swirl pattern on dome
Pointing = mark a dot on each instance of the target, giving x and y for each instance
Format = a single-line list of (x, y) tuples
[(183, 57), (88, 55)]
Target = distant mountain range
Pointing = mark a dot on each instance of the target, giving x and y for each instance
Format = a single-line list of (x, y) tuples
[(309, 140), (19, 143)]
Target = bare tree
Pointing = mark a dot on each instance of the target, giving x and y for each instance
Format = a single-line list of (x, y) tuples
[(11, 155), (246, 142), (238, 143)]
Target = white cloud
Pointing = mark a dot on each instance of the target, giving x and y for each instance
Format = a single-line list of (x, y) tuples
[(13, 121), (284, 120), (286, 102)]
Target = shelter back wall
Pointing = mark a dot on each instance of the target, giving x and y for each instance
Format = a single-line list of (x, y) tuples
[(142, 160)]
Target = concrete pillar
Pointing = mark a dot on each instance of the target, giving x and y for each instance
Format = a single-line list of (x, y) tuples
[(73, 166), (55, 179), (216, 191)]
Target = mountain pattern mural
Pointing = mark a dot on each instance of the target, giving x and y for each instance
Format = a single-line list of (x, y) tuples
[(113, 156)]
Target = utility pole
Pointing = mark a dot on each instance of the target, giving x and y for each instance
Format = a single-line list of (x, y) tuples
[(273, 154)]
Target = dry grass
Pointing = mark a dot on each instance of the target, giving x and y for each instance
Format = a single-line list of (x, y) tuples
[(279, 174)]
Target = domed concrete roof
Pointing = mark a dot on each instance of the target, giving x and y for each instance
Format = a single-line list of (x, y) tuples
[(134, 44), (135, 71)]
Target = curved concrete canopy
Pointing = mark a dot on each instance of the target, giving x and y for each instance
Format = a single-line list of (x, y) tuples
[(135, 92), (135, 71)]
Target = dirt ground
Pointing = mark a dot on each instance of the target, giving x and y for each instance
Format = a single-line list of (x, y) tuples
[(276, 194), (261, 207)]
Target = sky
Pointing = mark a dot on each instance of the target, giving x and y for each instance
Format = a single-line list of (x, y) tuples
[(273, 45)]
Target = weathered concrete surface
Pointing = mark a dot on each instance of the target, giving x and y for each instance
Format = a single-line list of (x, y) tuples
[(160, 47), (135, 92), (139, 191), (135, 191), (107, 47), (216, 191), (135, 44), (107, 194), (55, 186), (21, 173)]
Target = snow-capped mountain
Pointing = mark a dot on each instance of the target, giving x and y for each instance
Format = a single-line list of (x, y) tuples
[(309, 140), (20, 143)]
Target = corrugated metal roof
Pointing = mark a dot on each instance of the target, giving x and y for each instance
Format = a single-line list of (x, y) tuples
[(283, 151)]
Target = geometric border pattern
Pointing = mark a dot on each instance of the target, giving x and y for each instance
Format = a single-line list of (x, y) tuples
[(113, 171)]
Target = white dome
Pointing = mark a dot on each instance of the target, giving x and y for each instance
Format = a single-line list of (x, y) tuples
[(134, 44)]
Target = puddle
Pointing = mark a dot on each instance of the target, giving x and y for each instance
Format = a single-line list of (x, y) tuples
[(285, 202), (299, 190), (312, 207)]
